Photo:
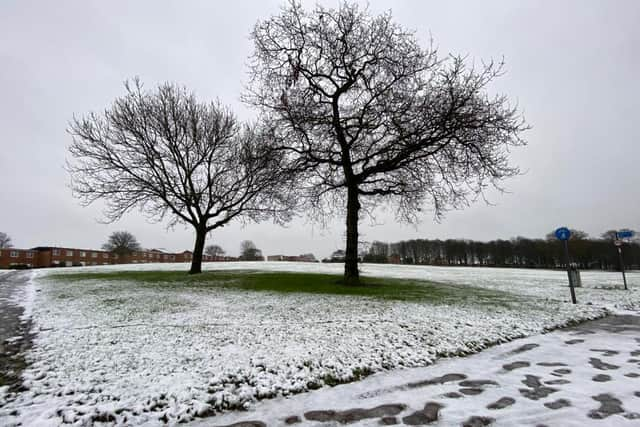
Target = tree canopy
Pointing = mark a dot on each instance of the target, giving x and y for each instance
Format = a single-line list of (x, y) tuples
[(371, 117), (174, 158)]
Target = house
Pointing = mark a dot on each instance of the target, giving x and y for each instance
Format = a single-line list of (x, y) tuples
[(50, 256), (53, 256), (11, 257)]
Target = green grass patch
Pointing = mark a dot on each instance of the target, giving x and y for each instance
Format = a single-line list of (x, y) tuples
[(290, 283)]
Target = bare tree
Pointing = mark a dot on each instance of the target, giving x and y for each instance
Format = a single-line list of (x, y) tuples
[(5, 240), (122, 243), (214, 251), (609, 235), (172, 157), (375, 118), (249, 251)]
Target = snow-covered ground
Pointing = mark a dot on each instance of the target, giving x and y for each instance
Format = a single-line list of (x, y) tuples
[(129, 354), (576, 377)]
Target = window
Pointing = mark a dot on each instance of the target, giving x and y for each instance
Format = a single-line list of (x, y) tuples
[(166, 257), (69, 253), (94, 255), (29, 254), (105, 255), (14, 254), (56, 252), (83, 254)]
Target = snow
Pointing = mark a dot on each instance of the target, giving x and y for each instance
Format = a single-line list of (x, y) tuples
[(129, 354), (392, 387), (25, 298)]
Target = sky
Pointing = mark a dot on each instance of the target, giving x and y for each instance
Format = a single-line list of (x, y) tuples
[(573, 67)]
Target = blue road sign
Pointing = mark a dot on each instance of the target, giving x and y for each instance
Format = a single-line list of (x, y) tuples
[(625, 234), (563, 233)]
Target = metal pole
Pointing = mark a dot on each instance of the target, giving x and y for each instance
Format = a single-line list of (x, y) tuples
[(624, 276), (566, 254)]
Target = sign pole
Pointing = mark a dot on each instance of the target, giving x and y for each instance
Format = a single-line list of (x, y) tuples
[(563, 234), (624, 276), (620, 235), (566, 255)]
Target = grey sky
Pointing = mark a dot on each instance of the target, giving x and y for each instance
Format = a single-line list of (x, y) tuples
[(573, 67)]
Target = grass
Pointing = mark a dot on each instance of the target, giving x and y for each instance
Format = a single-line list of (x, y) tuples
[(307, 283)]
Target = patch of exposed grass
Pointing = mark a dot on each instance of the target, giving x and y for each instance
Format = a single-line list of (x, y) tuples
[(285, 282)]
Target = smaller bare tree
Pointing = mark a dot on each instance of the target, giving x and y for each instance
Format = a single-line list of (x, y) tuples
[(173, 157), (214, 251), (249, 251), (5, 241), (122, 243)]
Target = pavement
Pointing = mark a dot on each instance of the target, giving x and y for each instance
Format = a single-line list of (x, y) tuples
[(580, 376), (15, 336)]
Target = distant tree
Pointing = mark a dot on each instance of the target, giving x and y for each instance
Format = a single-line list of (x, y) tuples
[(214, 251), (378, 252), (609, 235), (121, 243), (338, 255), (249, 251), (5, 241), (374, 118), (171, 156), (308, 257)]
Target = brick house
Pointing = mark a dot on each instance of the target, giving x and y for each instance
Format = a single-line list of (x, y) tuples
[(50, 256), (12, 257)]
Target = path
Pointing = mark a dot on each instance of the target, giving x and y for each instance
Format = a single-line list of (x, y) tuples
[(15, 337), (580, 376)]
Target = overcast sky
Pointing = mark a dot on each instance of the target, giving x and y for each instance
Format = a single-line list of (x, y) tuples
[(573, 67)]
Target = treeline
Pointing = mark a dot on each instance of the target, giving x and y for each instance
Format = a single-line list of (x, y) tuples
[(588, 253)]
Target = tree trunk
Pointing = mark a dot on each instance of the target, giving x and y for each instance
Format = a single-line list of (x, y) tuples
[(196, 260), (351, 274)]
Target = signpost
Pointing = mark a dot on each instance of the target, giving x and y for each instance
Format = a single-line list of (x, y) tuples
[(563, 234), (622, 234)]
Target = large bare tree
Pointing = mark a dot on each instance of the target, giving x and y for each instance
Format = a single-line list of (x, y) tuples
[(175, 158), (374, 118)]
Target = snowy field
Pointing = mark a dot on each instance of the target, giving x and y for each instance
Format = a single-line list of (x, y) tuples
[(124, 354)]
